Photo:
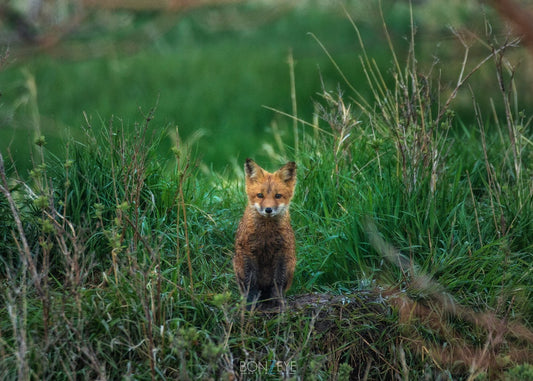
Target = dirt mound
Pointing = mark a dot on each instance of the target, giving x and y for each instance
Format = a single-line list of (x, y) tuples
[(386, 334)]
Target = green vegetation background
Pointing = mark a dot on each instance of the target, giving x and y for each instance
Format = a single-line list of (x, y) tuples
[(132, 229), (210, 72)]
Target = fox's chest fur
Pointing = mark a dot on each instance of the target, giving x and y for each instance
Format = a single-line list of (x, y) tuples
[(265, 239)]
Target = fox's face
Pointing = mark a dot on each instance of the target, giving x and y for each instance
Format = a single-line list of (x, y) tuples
[(270, 193)]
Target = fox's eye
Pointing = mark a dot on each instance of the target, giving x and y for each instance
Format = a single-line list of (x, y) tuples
[(260, 195), (277, 195)]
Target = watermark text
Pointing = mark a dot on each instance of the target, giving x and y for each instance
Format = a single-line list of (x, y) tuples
[(270, 367)]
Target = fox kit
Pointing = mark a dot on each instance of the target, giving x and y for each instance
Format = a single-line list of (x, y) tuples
[(265, 256)]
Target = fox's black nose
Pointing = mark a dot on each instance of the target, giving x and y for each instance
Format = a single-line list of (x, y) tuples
[(268, 210)]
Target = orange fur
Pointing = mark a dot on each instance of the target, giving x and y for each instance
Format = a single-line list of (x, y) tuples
[(265, 255)]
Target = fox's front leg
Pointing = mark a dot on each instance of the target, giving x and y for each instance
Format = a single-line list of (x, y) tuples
[(246, 272), (282, 281), (285, 272)]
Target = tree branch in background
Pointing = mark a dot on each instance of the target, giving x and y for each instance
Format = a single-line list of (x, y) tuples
[(143, 5), (17, 21), (520, 17), (28, 33)]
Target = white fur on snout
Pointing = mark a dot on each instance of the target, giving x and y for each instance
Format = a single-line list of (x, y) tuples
[(280, 209)]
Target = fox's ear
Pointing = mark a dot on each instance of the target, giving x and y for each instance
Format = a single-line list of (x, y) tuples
[(252, 170), (287, 173)]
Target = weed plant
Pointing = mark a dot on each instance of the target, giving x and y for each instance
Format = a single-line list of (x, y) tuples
[(415, 243)]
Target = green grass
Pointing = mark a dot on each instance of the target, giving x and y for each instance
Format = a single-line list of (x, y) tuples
[(116, 251), (212, 79), (414, 228), (209, 82)]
